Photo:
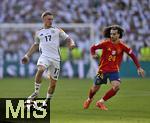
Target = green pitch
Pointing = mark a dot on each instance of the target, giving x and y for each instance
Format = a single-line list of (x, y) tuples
[(130, 105)]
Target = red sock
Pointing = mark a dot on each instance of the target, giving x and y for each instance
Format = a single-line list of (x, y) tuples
[(109, 94), (91, 94)]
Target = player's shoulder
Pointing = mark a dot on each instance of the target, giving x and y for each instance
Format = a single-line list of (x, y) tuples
[(122, 43), (39, 30), (59, 28), (105, 41), (102, 42)]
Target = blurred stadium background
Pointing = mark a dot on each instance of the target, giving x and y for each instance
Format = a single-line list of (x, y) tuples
[(84, 21)]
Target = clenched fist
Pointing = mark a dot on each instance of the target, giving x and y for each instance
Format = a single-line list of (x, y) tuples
[(25, 59), (141, 72)]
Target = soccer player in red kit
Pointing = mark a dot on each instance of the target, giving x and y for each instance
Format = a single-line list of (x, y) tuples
[(111, 58)]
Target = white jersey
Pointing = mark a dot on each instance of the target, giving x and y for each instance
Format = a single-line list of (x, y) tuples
[(49, 41)]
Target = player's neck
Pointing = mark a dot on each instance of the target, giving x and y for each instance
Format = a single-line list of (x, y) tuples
[(47, 26), (115, 41)]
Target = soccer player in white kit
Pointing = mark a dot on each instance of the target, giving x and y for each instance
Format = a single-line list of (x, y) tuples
[(47, 40)]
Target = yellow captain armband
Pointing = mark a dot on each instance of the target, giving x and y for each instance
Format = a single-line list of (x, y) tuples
[(61, 30)]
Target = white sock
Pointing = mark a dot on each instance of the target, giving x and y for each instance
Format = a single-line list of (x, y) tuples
[(88, 98), (48, 96), (101, 100), (37, 87)]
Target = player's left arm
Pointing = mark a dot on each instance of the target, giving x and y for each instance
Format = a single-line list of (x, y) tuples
[(134, 58), (67, 39)]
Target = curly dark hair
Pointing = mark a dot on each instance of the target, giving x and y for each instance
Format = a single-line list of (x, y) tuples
[(106, 31)]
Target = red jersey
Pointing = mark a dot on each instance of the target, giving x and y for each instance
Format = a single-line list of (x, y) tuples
[(112, 54)]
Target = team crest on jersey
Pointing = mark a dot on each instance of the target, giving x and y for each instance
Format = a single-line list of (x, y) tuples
[(109, 49), (113, 52), (118, 51)]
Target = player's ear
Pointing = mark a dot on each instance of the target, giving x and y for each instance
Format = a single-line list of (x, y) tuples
[(119, 35)]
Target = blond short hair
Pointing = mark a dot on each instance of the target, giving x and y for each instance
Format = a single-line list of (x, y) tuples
[(45, 14)]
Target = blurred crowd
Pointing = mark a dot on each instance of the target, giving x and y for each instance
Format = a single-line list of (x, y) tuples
[(133, 15)]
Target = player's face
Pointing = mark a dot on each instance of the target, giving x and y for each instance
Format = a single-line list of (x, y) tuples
[(48, 19), (114, 35)]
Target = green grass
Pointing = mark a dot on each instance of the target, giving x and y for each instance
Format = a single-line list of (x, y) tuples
[(130, 105)]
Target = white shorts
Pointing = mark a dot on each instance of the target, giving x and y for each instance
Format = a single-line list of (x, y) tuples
[(51, 65)]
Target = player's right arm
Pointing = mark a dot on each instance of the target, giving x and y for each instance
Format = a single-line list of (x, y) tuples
[(32, 49), (96, 47), (27, 56)]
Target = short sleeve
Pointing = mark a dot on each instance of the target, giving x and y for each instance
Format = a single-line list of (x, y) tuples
[(62, 34)]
